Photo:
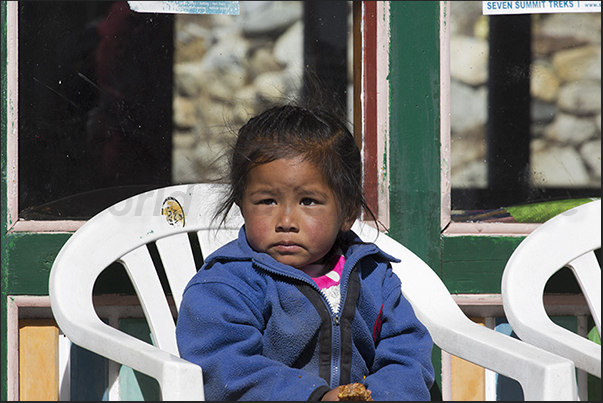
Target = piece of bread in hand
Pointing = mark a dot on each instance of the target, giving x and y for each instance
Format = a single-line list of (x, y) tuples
[(354, 392)]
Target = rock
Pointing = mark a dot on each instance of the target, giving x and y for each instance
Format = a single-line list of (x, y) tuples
[(583, 63), (471, 59), (558, 167), (570, 129), (580, 97)]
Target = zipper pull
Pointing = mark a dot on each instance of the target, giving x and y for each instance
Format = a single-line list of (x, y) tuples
[(336, 320)]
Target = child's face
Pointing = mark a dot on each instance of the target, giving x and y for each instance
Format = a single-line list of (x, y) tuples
[(290, 212)]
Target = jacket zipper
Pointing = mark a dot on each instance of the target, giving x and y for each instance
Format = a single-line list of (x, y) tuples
[(336, 328), (334, 316)]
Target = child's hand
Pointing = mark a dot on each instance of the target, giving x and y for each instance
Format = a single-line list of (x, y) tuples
[(331, 396)]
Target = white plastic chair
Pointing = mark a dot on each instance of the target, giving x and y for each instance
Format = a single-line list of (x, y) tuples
[(566, 240), (166, 216)]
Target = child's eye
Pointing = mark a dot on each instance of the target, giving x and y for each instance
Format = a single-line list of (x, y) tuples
[(267, 201), (307, 202)]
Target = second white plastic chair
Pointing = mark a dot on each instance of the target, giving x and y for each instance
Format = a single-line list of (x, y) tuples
[(569, 239)]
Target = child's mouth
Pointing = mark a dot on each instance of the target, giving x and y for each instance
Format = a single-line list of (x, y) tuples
[(287, 247)]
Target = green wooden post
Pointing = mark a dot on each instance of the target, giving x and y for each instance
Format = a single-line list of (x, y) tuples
[(415, 127)]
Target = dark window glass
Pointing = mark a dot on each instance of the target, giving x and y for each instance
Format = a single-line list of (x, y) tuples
[(95, 105), (113, 102)]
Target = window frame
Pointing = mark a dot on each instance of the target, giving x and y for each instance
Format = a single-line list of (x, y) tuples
[(14, 224), (449, 227)]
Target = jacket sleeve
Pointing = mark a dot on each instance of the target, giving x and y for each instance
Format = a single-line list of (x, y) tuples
[(402, 367), (220, 328)]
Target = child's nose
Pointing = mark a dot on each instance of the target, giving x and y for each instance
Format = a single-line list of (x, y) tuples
[(287, 221)]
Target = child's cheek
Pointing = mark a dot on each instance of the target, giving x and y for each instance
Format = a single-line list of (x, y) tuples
[(257, 234)]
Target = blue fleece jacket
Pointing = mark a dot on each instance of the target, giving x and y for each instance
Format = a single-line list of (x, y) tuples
[(262, 330)]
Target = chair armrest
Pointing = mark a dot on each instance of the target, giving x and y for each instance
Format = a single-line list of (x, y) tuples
[(174, 374), (542, 375), (74, 312)]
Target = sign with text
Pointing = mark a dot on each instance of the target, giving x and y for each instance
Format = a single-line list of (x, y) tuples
[(536, 7), (186, 7)]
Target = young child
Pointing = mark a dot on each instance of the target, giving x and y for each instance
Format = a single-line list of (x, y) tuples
[(298, 304)]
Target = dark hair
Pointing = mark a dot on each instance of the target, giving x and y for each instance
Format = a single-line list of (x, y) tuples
[(320, 136)]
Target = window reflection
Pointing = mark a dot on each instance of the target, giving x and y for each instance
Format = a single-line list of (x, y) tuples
[(509, 149), (227, 69), (95, 105), (114, 102)]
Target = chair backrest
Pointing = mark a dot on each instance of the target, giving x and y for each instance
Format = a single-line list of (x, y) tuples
[(566, 240), (170, 218)]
